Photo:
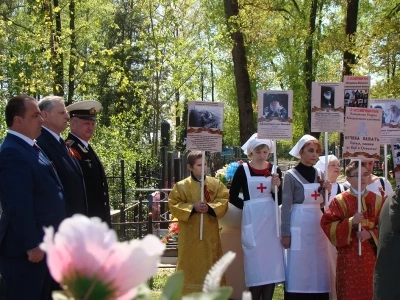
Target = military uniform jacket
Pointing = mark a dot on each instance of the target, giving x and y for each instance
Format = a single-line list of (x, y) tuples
[(95, 179)]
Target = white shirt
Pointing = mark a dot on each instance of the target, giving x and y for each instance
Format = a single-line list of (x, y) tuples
[(356, 192), (24, 137), (56, 136), (86, 144)]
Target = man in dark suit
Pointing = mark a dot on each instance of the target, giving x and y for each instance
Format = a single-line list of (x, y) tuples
[(32, 197), (56, 118), (82, 123)]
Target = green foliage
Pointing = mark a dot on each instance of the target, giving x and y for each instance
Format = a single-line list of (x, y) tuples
[(145, 60), (173, 287)]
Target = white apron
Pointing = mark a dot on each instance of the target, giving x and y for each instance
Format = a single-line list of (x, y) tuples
[(337, 188), (263, 253), (307, 263)]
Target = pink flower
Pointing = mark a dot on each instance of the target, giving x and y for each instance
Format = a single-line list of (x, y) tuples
[(85, 257), (173, 227)]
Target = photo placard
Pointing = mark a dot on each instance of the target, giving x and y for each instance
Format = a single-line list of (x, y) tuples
[(390, 127), (327, 107), (205, 126), (275, 113), (362, 133)]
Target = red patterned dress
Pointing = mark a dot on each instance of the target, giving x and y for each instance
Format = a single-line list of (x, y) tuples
[(354, 272)]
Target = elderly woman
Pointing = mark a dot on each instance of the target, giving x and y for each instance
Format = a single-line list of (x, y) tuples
[(393, 117), (263, 253), (333, 174), (307, 265), (337, 188)]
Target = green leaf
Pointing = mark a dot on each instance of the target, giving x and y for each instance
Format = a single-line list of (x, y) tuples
[(222, 294), (173, 287), (143, 292)]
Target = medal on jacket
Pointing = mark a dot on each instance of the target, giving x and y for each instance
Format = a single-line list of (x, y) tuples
[(88, 161), (83, 149)]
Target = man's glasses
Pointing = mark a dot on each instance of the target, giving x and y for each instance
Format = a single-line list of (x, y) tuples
[(363, 175)]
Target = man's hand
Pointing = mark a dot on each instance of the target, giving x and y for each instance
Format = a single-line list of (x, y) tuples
[(363, 235), (357, 218), (35, 255), (201, 207)]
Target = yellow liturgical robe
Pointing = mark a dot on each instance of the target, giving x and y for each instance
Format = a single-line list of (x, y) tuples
[(195, 256)]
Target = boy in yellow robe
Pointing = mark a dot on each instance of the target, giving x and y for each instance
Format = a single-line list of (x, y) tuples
[(195, 256)]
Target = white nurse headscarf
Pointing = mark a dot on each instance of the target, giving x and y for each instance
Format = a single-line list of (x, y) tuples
[(321, 162), (253, 142), (296, 149)]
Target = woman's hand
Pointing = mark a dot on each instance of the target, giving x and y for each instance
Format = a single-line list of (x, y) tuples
[(327, 186), (275, 181), (285, 241)]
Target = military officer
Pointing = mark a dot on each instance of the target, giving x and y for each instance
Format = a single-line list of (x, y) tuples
[(82, 125)]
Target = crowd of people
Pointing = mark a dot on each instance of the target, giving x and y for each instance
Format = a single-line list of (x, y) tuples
[(317, 255), (43, 180)]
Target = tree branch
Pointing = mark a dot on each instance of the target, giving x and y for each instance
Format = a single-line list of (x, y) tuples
[(16, 24)]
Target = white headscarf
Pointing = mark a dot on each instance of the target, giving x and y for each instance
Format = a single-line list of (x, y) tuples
[(321, 162), (296, 149), (254, 142)]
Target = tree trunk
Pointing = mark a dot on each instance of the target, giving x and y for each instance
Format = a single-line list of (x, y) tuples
[(242, 78), (73, 53), (58, 86), (349, 57), (308, 65)]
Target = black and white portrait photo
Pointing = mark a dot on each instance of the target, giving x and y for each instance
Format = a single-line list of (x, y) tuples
[(275, 105), (327, 97), (206, 117)]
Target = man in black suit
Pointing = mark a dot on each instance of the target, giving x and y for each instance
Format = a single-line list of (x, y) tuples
[(82, 124), (56, 118), (32, 197)]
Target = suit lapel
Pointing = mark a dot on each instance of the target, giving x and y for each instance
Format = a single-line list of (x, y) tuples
[(60, 149), (54, 143), (39, 154)]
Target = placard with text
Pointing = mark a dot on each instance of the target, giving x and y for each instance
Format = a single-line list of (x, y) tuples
[(327, 107), (205, 126), (362, 133), (356, 91), (390, 128), (275, 115)]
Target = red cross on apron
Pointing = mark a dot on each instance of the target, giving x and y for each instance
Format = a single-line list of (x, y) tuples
[(261, 188), (315, 195)]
